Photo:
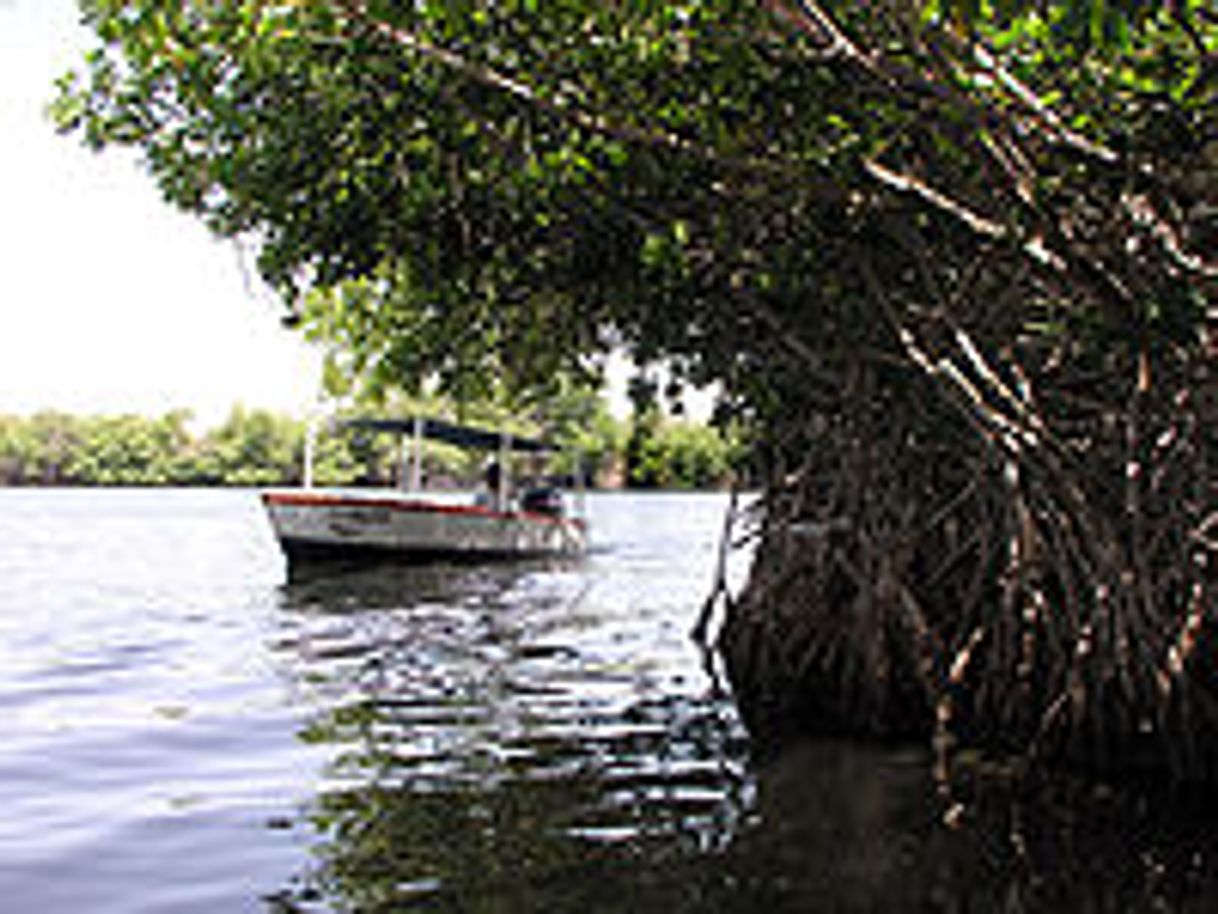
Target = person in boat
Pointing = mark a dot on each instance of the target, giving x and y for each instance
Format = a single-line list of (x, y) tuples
[(495, 495), (543, 499)]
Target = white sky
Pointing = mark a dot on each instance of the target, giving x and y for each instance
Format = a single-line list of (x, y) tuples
[(111, 300)]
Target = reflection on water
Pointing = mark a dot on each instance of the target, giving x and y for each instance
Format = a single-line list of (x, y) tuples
[(522, 738), (502, 738), (854, 828), (185, 732)]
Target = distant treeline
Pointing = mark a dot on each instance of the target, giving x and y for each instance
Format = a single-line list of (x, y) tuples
[(256, 447)]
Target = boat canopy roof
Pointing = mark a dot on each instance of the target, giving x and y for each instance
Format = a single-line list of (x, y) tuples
[(451, 433)]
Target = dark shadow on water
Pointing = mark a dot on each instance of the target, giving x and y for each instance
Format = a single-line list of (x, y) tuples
[(834, 829), (470, 800), (492, 748), (554, 818), (841, 827)]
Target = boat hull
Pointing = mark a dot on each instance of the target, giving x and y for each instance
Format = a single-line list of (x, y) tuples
[(313, 525)]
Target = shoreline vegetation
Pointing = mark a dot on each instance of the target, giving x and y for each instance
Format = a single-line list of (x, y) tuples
[(258, 447)]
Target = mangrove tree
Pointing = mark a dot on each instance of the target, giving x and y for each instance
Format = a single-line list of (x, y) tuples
[(952, 262)]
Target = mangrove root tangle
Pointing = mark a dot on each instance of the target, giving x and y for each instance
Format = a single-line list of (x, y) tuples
[(991, 550), (990, 511)]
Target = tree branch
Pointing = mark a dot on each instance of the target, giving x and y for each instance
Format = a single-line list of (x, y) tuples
[(564, 108)]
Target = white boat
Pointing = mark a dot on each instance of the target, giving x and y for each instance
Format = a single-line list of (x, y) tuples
[(413, 526)]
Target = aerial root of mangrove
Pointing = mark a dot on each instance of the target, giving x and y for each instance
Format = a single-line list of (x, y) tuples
[(994, 554)]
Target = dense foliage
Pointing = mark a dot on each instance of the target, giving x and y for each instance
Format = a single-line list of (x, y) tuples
[(463, 185), (952, 261), (49, 448), (256, 447)]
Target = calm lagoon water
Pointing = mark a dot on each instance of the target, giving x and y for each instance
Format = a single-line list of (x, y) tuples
[(184, 729)]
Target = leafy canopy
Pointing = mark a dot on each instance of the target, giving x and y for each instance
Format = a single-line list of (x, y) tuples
[(472, 191)]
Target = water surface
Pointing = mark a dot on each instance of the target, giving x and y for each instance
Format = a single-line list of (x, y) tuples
[(186, 729)]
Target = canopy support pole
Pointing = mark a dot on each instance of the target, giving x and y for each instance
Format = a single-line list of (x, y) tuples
[(415, 481), (505, 452), (310, 449)]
